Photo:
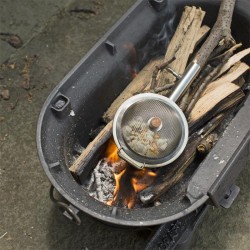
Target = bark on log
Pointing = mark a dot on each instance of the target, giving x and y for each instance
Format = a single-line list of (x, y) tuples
[(207, 143), (220, 30), (91, 149), (182, 44)]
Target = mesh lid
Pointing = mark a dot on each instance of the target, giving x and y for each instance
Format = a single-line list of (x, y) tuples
[(146, 138), (150, 128)]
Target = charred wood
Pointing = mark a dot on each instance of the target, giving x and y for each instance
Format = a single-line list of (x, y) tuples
[(173, 173), (92, 148)]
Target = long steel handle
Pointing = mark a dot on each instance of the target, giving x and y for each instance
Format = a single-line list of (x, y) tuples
[(186, 79)]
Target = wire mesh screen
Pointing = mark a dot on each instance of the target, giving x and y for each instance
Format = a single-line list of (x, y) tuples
[(146, 141)]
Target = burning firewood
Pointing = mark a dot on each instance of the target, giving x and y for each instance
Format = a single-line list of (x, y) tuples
[(211, 94), (78, 166)]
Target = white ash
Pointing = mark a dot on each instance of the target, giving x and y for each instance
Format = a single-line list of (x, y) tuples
[(72, 113), (142, 139), (101, 184)]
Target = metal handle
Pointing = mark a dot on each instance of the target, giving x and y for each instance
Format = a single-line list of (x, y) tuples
[(186, 79), (65, 207)]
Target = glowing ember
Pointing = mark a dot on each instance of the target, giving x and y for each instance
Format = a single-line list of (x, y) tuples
[(129, 180)]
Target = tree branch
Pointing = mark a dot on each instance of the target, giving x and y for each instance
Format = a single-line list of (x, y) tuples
[(220, 30)]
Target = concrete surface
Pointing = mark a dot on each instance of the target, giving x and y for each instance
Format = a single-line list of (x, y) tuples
[(28, 219)]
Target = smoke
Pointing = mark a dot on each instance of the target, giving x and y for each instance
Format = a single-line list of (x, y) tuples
[(159, 38)]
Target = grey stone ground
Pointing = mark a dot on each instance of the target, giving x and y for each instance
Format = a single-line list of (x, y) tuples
[(28, 220)]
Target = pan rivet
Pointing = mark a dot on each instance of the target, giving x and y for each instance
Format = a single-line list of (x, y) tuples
[(155, 123)]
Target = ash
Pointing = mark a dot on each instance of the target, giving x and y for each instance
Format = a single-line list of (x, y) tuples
[(101, 184)]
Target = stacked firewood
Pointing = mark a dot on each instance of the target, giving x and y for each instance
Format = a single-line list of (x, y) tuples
[(217, 90)]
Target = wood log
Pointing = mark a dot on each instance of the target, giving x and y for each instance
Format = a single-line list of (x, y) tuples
[(229, 51), (91, 150), (153, 83), (234, 59), (204, 83), (221, 30), (240, 82), (184, 101), (203, 31), (201, 82), (182, 44), (200, 78), (221, 97), (223, 45), (231, 76), (137, 85)]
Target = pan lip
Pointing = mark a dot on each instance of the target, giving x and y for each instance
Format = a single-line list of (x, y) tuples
[(117, 133)]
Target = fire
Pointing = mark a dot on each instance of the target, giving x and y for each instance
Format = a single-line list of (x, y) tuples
[(112, 152), (129, 180)]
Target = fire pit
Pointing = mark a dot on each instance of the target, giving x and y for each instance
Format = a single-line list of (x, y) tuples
[(75, 106)]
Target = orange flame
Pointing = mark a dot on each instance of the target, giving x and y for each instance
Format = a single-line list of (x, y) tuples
[(112, 152), (129, 180)]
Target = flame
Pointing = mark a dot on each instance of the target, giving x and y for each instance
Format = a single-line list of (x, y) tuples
[(129, 180), (112, 152)]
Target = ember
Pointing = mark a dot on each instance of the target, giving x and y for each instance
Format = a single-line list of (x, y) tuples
[(115, 182)]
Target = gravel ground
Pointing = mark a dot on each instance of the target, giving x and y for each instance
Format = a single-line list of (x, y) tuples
[(54, 41)]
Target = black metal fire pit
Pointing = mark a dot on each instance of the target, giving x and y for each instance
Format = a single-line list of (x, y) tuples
[(76, 106)]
